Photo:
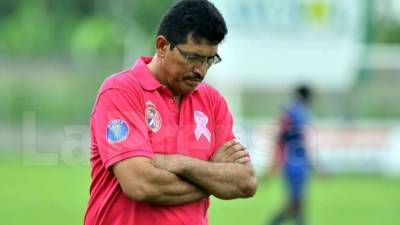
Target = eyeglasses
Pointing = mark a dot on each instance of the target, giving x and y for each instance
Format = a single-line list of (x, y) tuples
[(194, 58)]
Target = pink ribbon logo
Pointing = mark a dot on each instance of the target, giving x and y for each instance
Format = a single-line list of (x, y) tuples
[(201, 126)]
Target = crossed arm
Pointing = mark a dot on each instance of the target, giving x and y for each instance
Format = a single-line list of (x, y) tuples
[(227, 175), (179, 179), (140, 180)]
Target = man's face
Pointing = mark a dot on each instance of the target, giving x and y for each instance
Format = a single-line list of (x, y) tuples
[(186, 65)]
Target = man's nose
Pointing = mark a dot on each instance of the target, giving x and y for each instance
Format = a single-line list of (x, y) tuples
[(201, 69)]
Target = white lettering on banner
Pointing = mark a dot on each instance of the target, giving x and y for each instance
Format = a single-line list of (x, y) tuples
[(354, 138), (369, 147), (331, 17)]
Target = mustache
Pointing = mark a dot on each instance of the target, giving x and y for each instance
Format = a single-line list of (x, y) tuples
[(195, 76)]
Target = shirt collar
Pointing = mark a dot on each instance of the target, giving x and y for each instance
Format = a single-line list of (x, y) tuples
[(146, 78), (143, 74)]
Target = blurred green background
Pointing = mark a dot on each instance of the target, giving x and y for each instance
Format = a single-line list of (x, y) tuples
[(55, 54), (58, 195)]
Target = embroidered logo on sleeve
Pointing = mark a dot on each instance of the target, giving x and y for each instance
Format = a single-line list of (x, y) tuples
[(117, 131), (153, 119), (201, 126)]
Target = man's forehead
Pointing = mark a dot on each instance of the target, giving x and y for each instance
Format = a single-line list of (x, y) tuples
[(202, 47)]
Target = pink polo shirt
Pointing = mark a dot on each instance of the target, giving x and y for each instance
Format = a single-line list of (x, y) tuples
[(135, 115)]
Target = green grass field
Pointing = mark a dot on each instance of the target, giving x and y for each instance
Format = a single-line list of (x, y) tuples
[(58, 195)]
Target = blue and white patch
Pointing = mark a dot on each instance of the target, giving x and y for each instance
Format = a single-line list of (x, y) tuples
[(117, 131), (153, 118)]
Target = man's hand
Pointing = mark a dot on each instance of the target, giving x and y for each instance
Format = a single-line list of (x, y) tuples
[(231, 151)]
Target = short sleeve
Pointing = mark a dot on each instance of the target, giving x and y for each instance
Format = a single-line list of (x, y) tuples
[(285, 121), (223, 121), (284, 126), (119, 128)]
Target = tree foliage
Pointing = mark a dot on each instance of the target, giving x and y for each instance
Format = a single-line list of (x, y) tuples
[(43, 27)]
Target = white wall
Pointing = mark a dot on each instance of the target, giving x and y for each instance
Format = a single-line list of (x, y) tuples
[(275, 44)]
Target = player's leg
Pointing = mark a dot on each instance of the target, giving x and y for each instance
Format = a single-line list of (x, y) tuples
[(297, 212), (281, 216), (285, 213)]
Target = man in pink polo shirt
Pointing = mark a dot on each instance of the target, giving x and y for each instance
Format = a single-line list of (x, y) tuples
[(162, 141)]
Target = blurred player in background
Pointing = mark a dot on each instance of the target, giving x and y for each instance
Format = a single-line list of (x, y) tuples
[(291, 156)]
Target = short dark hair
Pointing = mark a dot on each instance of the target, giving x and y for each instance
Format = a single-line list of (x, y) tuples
[(304, 92), (200, 18)]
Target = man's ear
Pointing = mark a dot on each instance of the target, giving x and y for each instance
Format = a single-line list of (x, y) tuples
[(162, 46)]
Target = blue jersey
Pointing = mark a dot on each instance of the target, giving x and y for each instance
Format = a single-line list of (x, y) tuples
[(295, 119), (292, 142)]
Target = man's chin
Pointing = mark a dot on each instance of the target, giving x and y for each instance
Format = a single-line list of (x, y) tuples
[(186, 90)]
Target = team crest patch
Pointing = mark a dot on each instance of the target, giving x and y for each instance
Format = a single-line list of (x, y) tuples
[(117, 131), (153, 119)]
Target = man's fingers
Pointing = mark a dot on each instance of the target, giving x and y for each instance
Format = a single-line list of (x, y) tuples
[(243, 160), (228, 144), (226, 150), (238, 154), (235, 148)]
